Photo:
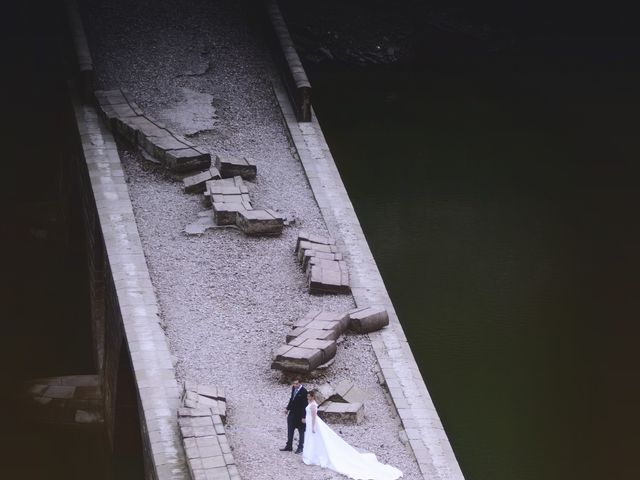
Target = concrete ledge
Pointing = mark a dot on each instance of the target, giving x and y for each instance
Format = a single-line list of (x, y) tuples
[(158, 394), (81, 47), (400, 372), (288, 62)]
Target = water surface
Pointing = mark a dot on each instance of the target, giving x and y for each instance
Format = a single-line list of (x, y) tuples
[(501, 209)]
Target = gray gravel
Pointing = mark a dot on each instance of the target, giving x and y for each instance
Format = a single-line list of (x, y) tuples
[(228, 300)]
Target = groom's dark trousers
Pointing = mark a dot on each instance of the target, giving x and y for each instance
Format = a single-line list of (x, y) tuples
[(296, 406)]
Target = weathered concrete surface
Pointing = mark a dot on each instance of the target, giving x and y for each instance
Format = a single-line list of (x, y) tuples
[(424, 430)]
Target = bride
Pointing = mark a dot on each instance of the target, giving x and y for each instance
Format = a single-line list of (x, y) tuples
[(322, 446)]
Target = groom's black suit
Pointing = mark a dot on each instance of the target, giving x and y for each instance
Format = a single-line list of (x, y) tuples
[(296, 408)]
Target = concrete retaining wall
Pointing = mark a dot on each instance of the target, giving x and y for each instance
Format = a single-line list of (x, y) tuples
[(288, 62), (127, 334)]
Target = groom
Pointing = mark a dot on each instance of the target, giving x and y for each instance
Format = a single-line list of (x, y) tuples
[(295, 416)]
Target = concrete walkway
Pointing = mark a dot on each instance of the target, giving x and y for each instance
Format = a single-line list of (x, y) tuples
[(226, 300)]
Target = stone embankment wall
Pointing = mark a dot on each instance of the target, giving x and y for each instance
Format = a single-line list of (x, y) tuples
[(138, 380)]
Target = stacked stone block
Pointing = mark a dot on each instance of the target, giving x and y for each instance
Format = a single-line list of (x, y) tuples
[(124, 116), (202, 430), (339, 412), (232, 206), (230, 166), (312, 340), (225, 167), (205, 396), (198, 183), (368, 319), (324, 265)]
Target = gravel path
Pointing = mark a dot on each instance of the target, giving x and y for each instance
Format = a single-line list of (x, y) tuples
[(228, 300)]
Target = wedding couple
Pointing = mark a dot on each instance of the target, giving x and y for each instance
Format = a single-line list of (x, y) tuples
[(321, 446)]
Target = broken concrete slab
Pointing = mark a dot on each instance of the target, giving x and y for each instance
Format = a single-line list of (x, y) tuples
[(296, 359), (324, 393), (336, 412), (230, 166), (304, 333), (185, 159), (309, 254), (328, 280), (125, 117), (318, 247), (305, 236), (226, 213), (327, 347), (260, 222), (339, 265), (369, 319), (347, 392), (197, 183)]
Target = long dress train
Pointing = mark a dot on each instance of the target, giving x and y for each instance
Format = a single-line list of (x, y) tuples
[(327, 449)]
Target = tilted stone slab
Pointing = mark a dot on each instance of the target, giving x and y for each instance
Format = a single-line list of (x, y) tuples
[(297, 359), (197, 183), (328, 316), (211, 391), (203, 436), (215, 189), (318, 247), (328, 280), (304, 236), (327, 347), (324, 392), (312, 333), (315, 254), (347, 392), (339, 265), (337, 412), (260, 222), (227, 213), (369, 319), (157, 146), (186, 159), (125, 117), (230, 166), (196, 426), (207, 397)]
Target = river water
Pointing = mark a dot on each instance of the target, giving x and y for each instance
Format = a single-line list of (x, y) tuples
[(499, 201)]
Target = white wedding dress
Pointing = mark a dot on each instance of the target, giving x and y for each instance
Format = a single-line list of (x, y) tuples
[(327, 449)]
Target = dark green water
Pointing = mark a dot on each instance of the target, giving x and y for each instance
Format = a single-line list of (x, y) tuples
[(502, 211)]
